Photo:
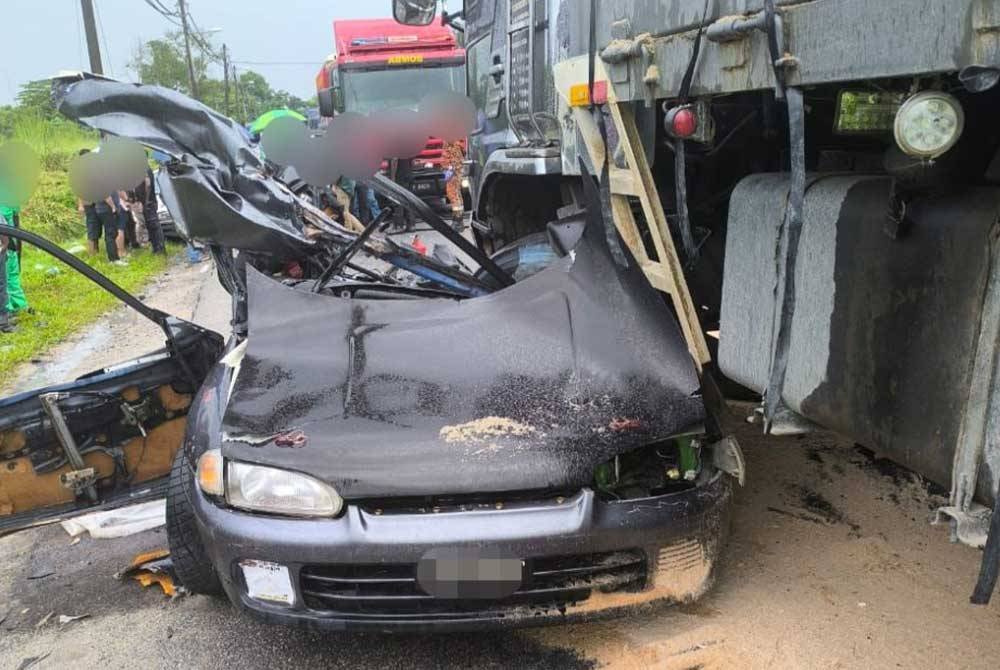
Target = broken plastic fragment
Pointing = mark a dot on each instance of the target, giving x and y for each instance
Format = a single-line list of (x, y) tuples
[(152, 567), (64, 619)]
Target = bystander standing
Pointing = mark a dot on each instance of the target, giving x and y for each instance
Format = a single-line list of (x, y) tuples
[(454, 159), (5, 323), (146, 207), (100, 218), (16, 299)]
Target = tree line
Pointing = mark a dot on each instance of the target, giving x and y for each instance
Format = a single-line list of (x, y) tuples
[(162, 62)]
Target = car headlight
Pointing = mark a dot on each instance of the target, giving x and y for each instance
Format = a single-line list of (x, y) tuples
[(929, 124), (276, 491)]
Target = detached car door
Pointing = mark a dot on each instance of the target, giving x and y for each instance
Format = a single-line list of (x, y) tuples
[(108, 438)]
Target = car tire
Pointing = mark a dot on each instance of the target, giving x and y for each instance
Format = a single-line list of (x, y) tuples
[(192, 565)]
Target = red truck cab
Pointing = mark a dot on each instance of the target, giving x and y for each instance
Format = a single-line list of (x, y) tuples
[(380, 64)]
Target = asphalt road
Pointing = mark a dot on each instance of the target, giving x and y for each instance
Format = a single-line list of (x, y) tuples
[(831, 563)]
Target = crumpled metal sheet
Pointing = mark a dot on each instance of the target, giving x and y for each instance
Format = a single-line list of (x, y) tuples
[(528, 388), (215, 188)]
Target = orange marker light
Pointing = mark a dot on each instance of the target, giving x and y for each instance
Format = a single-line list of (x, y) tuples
[(578, 95), (210, 470)]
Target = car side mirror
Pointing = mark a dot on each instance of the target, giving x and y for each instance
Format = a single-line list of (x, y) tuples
[(331, 101), (325, 99), (414, 12)]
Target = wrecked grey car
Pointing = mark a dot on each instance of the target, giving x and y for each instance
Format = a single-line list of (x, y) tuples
[(403, 449)]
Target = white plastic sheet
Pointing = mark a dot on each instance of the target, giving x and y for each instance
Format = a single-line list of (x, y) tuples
[(120, 522)]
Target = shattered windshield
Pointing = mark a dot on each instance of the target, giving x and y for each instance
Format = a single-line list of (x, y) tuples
[(367, 91)]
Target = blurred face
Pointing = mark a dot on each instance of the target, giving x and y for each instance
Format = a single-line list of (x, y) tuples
[(120, 165), (19, 170)]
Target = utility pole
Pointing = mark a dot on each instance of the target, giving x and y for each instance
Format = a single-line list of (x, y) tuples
[(90, 26), (239, 96), (182, 8), (225, 77)]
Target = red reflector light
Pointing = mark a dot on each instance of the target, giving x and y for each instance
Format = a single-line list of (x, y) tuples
[(684, 123)]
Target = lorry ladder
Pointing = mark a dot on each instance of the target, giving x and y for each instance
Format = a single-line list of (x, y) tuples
[(630, 177)]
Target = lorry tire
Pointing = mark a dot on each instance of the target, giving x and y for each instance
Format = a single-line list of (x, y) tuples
[(187, 551)]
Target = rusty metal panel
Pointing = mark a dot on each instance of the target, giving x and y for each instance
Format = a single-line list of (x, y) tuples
[(834, 40)]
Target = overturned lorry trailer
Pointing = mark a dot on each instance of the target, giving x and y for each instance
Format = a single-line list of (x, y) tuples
[(828, 171)]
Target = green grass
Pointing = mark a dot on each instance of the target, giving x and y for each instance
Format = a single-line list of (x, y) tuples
[(55, 141), (51, 210), (65, 301)]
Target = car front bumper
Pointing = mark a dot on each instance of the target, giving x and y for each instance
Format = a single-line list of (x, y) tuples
[(678, 537)]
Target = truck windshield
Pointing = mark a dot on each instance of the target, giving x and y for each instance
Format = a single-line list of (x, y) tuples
[(367, 91)]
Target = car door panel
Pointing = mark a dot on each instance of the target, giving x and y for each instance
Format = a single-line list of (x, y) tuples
[(124, 423)]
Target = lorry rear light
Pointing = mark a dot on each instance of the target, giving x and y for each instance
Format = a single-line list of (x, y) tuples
[(579, 95), (681, 122)]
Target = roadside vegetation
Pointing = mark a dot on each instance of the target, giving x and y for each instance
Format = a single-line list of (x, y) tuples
[(63, 301)]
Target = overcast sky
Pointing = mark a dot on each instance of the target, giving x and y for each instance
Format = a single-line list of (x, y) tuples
[(40, 37)]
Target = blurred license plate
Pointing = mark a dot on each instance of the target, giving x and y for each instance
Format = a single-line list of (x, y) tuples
[(469, 573), (268, 581), (423, 186)]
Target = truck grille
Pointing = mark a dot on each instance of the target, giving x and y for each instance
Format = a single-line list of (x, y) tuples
[(392, 590)]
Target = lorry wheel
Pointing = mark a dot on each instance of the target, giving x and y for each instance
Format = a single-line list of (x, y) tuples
[(187, 551)]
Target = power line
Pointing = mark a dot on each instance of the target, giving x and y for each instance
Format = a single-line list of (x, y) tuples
[(79, 35), (104, 38), (240, 94), (164, 12), (273, 62), (193, 81)]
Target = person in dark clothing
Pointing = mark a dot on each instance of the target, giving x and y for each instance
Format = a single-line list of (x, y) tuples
[(107, 214), (146, 194), (92, 222), (100, 219), (120, 223), (126, 222)]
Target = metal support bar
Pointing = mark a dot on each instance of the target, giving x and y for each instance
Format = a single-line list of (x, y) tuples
[(345, 255), (984, 395), (394, 191), (50, 403), (787, 257)]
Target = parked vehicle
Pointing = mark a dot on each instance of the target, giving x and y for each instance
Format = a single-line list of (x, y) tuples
[(382, 65), (167, 222)]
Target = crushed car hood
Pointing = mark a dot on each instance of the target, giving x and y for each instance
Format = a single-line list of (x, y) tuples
[(528, 388)]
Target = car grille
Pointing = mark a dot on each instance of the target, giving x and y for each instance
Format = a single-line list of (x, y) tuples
[(391, 590)]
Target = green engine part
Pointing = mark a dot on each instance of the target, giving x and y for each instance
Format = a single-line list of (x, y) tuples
[(688, 453)]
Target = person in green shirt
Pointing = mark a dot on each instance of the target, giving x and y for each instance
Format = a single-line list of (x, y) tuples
[(16, 300), (5, 324)]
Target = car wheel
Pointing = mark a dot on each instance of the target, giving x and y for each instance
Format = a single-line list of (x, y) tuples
[(191, 563)]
